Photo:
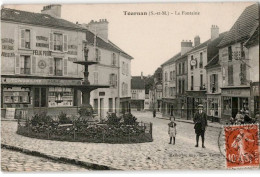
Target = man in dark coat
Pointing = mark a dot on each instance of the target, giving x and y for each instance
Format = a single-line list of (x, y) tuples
[(200, 120)]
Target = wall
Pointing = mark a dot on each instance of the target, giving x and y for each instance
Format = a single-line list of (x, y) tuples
[(42, 54), (253, 56), (197, 71)]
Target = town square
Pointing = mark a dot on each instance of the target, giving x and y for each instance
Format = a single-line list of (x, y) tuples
[(84, 91)]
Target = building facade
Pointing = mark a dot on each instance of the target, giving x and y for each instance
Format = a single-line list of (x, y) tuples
[(138, 93), (236, 64)]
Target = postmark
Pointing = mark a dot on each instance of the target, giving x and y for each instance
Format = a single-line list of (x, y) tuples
[(241, 145)]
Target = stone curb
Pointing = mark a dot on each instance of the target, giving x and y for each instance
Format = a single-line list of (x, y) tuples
[(179, 120), (76, 162)]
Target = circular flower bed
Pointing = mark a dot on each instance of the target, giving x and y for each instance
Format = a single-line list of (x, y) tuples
[(115, 130)]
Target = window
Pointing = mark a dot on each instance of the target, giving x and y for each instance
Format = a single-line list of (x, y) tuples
[(179, 86), (58, 42), (171, 76), (171, 91), (183, 67), (134, 95), (57, 66), (97, 55), (191, 83), (113, 80), (126, 69), (183, 86), (180, 71), (124, 89), (25, 64), (27, 39), (123, 67), (213, 83), (165, 76), (113, 59), (242, 74), (201, 60), (229, 53), (110, 104), (201, 82), (230, 75)]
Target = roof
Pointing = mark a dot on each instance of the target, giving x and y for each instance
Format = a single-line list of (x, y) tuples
[(254, 38), (202, 45), (137, 82), (214, 62), (36, 19), (242, 28), (174, 58), (49, 21)]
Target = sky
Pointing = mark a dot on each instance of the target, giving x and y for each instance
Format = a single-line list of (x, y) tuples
[(152, 40)]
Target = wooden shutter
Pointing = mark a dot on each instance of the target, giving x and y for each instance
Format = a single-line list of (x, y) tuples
[(51, 45), (33, 64), (216, 82), (211, 82), (21, 64), (65, 42), (65, 66), (51, 66), (22, 38), (17, 64), (115, 80)]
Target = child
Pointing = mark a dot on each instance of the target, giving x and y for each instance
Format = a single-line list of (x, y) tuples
[(172, 130)]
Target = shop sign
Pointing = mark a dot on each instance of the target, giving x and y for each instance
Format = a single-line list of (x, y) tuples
[(236, 92), (23, 81), (193, 62), (7, 47), (42, 64), (41, 52)]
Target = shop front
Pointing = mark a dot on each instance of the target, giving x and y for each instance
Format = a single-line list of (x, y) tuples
[(34, 94), (169, 107), (181, 107), (194, 98), (234, 99), (214, 107), (125, 105)]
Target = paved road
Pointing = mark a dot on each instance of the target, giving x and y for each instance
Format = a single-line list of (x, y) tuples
[(12, 161), (144, 156)]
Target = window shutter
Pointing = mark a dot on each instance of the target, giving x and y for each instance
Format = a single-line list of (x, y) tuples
[(65, 66), (51, 46), (51, 66), (211, 82), (216, 82), (22, 38), (17, 64), (115, 80), (21, 64), (33, 65), (65, 42)]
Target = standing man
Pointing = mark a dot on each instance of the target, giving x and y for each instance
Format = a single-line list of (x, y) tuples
[(200, 120)]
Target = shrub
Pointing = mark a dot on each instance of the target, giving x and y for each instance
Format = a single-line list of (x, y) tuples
[(63, 119), (129, 119), (41, 119), (112, 119), (86, 111)]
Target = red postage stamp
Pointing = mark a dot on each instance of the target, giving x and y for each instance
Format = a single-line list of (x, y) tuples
[(241, 146)]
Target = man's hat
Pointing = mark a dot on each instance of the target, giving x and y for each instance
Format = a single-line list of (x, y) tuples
[(200, 106)]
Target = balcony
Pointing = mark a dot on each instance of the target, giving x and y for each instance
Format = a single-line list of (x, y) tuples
[(58, 72), (202, 88), (25, 71), (27, 45)]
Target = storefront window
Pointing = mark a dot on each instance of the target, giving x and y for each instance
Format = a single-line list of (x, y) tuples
[(243, 104), (213, 107), (59, 96), (227, 105), (16, 95)]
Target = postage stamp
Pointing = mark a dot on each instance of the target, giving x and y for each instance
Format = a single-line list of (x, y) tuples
[(241, 143)]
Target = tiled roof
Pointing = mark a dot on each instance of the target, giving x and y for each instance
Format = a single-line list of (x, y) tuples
[(204, 44), (49, 21), (212, 48), (174, 58), (254, 38), (214, 62), (36, 19), (243, 26), (137, 82)]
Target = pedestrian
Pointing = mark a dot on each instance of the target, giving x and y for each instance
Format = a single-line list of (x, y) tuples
[(172, 130), (154, 113), (247, 119), (200, 120), (239, 117)]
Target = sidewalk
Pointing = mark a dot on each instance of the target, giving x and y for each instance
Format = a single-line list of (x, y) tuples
[(210, 124)]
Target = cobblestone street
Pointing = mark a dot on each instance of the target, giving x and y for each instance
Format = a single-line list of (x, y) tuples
[(12, 161), (145, 156)]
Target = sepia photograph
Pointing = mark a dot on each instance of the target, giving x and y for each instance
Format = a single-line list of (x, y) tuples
[(159, 86)]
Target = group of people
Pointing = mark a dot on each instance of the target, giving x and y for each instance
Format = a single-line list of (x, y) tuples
[(200, 121), (242, 117)]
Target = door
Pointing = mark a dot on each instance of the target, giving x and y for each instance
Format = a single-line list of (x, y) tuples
[(101, 108), (234, 106), (40, 97)]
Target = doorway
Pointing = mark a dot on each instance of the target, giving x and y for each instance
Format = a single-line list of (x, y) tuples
[(234, 106), (101, 107), (40, 97)]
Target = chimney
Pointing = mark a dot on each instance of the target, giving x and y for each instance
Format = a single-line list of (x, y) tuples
[(99, 27), (185, 46), (142, 77), (196, 41), (214, 32), (53, 10)]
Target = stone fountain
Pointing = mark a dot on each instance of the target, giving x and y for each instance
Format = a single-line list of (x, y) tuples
[(86, 110)]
